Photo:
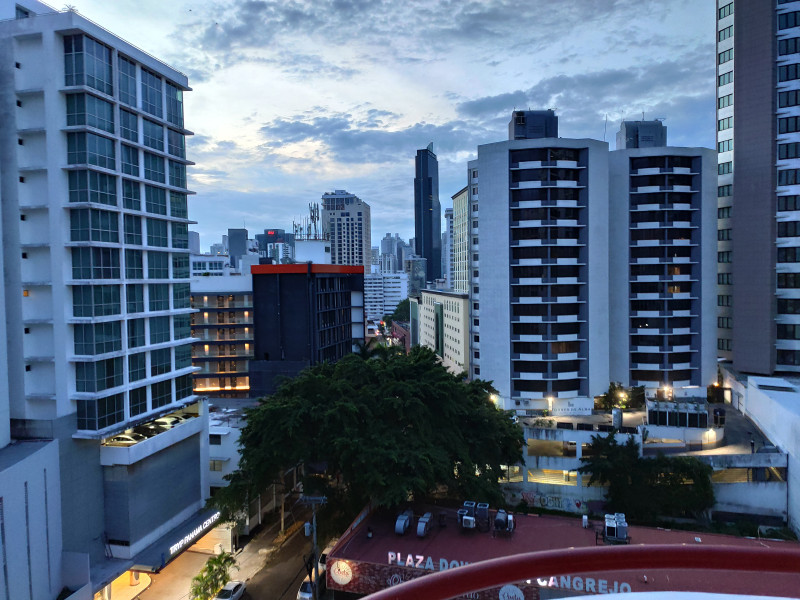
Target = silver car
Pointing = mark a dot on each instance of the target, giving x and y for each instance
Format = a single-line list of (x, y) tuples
[(233, 590)]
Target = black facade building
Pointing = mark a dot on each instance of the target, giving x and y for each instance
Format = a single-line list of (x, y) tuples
[(303, 314), (428, 212)]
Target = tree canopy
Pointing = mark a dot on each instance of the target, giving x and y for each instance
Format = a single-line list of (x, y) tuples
[(647, 488), (402, 312), (389, 426)]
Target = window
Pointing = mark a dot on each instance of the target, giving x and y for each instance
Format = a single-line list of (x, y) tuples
[(159, 296), (725, 78), (151, 93), (155, 200), (723, 344), (180, 266), (93, 225), (723, 300), (725, 123), (724, 168), (85, 109), (137, 366), (789, 72), (97, 338), (138, 400), (788, 228), (788, 202), (174, 105), (87, 62), (131, 195), (725, 146), (788, 20), (157, 233), (153, 134), (154, 168), (789, 125), (88, 148), (183, 356), (724, 278), (791, 150), (159, 330), (127, 81), (724, 190), (157, 265), (724, 34), (725, 101), (95, 301), (788, 331), (101, 413), (133, 230), (726, 10), (95, 263), (723, 235), (789, 306), (788, 46), (790, 98), (725, 56), (180, 235), (161, 393), (98, 376), (789, 280), (724, 212), (214, 439), (160, 362), (177, 174), (183, 387), (724, 322), (788, 255), (128, 126), (724, 257), (177, 205), (133, 264), (788, 176), (91, 186), (176, 143), (181, 327), (215, 465), (135, 333), (135, 297), (129, 157)]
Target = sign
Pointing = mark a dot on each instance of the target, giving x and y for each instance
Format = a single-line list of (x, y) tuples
[(510, 592), (194, 534), (587, 584), (420, 561), (341, 572)]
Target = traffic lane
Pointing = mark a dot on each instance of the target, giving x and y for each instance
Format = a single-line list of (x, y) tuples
[(281, 577)]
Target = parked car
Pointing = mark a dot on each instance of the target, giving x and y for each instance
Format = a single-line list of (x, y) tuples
[(169, 421), (233, 590), (125, 439), (148, 429), (305, 592), (323, 556)]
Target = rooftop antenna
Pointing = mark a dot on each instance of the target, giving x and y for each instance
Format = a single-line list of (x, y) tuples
[(605, 127)]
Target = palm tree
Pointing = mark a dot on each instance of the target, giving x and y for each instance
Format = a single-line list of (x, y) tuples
[(214, 575)]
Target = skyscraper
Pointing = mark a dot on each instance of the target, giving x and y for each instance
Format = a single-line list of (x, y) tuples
[(758, 140), (447, 248), (96, 296), (346, 219), (428, 212)]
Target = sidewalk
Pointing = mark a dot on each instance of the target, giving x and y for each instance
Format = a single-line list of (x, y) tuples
[(257, 551)]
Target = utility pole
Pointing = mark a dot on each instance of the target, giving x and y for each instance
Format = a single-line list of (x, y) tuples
[(314, 501)]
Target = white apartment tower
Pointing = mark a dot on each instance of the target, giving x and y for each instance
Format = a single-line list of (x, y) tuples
[(461, 240), (96, 291), (346, 219)]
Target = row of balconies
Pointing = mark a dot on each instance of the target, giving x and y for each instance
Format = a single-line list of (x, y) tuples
[(222, 335)]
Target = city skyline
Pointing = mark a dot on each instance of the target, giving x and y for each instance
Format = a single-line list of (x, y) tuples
[(341, 97)]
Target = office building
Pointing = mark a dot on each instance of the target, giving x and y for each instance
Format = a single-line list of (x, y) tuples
[(664, 197), (346, 220), (759, 162), (303, 314), (237, 245), (276, 244), (428, 212), (96, 299), (462, 230), (566, 309), (444, 323), (383, 292)]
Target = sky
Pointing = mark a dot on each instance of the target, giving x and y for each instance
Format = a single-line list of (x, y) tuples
[(292, 99)]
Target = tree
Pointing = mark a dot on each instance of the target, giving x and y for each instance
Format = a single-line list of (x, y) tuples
[(389, 426), (646, 488), (613, 396), (213, 576), (402, 312)]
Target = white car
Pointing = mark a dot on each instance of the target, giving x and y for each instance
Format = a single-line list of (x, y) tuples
[(125, 439), (233, 590), (169, 421)]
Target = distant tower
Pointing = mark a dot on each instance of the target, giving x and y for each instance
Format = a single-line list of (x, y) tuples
[(428, 212), (347, 220)]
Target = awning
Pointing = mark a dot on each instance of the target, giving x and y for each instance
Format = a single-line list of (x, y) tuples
[(158, 554)]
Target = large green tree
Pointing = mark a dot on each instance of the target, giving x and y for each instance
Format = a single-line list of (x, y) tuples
[(647, 488), (213, 576), (389, 426)]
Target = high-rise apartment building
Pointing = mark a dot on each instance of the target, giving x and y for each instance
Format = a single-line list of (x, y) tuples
[(428, 212), (237, 245), (758, 136), (96, 301), (346, 219), (462, 228), (383, 292), (565, 308), (447, 248)]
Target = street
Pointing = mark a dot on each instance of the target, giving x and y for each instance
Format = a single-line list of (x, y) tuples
[(281, 578)]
